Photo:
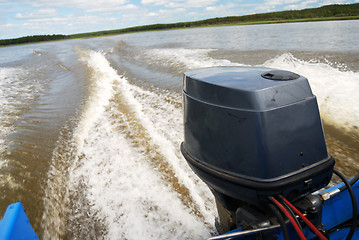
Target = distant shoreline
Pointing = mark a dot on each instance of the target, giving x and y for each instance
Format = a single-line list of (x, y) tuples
[(299, 20), (113, 32), (325, 13)]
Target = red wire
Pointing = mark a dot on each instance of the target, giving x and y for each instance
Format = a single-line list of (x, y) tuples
[(291, 219), (310, 225)]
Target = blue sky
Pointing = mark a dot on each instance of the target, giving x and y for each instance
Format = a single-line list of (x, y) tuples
[(32, 17)]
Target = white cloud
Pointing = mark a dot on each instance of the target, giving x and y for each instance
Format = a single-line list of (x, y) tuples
[(273, 2), (154, 2), (223, 10), (290, 1), (45, 21), (113, 9), (180, 3), (166, 13), (199, 3), (211, 8), (152, 14), (2, 19), (173, 5), (171, 11), (220, 8), (79, 4), (274, 5), (41, 13), (328, 2), (301, 5), (280, 2), (67, 25), (129, 6), (7, 25)]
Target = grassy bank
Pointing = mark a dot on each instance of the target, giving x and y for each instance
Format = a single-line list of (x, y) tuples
[(325, 13)]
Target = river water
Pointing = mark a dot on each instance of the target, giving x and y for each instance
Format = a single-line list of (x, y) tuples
[(90, 129)]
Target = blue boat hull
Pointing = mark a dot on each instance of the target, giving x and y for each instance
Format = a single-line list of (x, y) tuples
[(336, 211), (15, 224)]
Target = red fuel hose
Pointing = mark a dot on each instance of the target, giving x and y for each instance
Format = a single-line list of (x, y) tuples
[(296, 227), (309, 224)]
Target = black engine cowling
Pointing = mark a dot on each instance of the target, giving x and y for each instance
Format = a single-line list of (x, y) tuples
[(254, 132)]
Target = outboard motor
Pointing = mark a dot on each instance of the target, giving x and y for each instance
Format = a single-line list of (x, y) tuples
[(250, 133)]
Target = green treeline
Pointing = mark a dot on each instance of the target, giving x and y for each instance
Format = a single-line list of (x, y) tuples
[(31, 39), (329, 12)]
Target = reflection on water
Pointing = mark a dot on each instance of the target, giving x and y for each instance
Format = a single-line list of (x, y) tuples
[(333, 36)]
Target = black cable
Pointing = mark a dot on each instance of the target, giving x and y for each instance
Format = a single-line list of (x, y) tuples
[(291, 213), (280, 219), (351, 182), (314, 229), (354, 204), (354, 179), (341, 226)]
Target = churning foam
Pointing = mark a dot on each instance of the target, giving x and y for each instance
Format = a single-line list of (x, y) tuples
[(336, 90), (10, 85), (16, 94), (186, 59), (120, 180)]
